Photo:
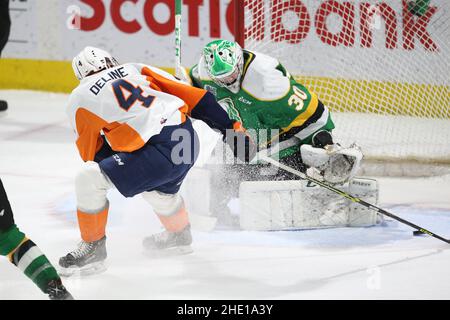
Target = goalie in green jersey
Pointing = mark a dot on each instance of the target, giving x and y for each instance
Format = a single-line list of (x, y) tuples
[(259, 92), (282, 116)]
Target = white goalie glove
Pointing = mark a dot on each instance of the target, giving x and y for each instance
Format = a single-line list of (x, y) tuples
[(333, 163)]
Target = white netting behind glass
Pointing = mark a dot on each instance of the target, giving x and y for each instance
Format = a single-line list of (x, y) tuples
[(382, 67)]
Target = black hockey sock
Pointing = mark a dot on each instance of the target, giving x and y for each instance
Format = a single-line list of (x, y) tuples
[(6, 215)]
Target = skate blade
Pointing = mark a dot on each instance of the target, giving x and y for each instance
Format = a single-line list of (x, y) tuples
[(87, 270), (170, 252)]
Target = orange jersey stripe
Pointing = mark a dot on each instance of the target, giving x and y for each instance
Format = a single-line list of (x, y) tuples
[(184, 109), (122, 137), (188, 94)]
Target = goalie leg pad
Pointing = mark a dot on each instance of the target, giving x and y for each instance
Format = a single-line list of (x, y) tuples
[(360, 216), (267, 205), (196, 191), (282, 205), (91, 186), (290, 204)]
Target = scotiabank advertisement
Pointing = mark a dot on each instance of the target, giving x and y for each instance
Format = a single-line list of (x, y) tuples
[(133, 30), (312, 37)]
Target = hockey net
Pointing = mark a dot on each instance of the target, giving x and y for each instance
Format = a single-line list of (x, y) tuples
[(382, 67)]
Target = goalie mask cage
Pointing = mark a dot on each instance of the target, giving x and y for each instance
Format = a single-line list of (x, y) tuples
[(382, 67)]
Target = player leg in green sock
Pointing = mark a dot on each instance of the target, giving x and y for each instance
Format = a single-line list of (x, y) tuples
[(25, 255)]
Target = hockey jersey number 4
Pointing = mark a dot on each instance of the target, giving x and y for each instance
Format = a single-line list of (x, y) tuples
[(128, 104)]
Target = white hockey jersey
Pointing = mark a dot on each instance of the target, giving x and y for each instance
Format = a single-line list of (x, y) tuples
[(128, 104)]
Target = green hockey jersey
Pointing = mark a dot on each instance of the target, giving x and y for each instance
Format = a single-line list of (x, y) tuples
[(270, 103)]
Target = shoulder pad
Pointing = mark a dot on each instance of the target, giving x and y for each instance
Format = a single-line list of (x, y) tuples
[(263, 80)]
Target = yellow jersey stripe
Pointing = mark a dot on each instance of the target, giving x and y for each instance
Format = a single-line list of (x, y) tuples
[(304, 116)]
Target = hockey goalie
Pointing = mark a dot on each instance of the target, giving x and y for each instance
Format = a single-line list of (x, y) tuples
[(287, 122)]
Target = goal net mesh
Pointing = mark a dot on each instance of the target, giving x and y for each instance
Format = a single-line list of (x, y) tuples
[(382, 67)]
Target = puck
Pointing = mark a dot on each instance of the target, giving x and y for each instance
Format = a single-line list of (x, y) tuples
[(418, 233), (3, 105)]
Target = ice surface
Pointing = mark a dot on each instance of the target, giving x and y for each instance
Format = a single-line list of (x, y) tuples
[(38, 162)]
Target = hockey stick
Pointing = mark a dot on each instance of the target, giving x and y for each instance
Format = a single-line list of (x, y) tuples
[(198, 222), (178, 72), (348, 196)]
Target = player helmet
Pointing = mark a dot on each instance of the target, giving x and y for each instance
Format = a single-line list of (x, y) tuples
[(92, 60), (224, 63)]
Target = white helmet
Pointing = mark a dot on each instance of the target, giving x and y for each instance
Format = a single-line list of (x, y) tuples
[(92, 60)]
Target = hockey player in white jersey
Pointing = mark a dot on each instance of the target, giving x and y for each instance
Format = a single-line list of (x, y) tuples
[(288, 121), (134, 133)]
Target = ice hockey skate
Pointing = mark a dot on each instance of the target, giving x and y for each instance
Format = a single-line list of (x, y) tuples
[(89, 258), (56, 291), (168, 243)]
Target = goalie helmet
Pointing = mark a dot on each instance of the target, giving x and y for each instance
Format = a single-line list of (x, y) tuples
[(224, 62), (92, 60)]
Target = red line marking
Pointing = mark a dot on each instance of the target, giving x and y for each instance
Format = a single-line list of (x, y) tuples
[(34, 176), (34, 130)]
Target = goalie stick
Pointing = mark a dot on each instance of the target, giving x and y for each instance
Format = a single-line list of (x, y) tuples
[(349, 196)]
